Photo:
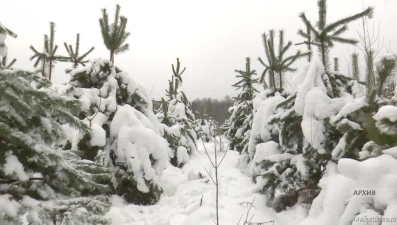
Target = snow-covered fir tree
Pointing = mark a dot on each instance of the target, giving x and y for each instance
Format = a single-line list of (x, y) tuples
[(125, 133), (38, 180), (177, 120), (295, 138), (374, 171), (296, 135), (239, 122), (205, 129), (302, 131)]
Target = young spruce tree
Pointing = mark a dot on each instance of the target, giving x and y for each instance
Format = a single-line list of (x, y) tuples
[(47, 184), (240, 120), (125, 133), (178, 121), (114, 35), (278, 63), (327, 34), (74, 55), (48, 57)]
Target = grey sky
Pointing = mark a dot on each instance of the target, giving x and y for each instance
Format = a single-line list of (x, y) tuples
[(211, 38)]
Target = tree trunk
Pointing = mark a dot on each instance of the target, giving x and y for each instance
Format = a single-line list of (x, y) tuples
[(112, 56), (273, 80), (323, 56), (281, 82), (50, 69), (43, 68)]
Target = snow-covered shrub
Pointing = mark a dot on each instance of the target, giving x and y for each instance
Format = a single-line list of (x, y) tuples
[(35, 175), (339, 201), (125, 133), (306, 130), (377, 172), (178, 121), (205, 129), (239, 126), (239, 122)]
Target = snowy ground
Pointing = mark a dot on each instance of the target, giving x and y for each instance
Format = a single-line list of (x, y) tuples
[(182, 205)]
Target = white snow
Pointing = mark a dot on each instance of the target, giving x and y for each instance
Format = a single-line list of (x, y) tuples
[(98, 135), (338, 203), (260, 126), (182, 155), (3, 49), (135, 141), (391, 151), (192, 201), (387, 112), (264, 150), (312, 79), (3, 37), (352, 106), (13, 166), (8, 206)]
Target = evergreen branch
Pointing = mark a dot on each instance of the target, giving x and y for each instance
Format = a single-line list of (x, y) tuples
[(52, 37), (302, 33), (308, 24), (322, 14), (122, 49), (85, 54), (340, 30), (344, 40), (67, 49), (368, 12)]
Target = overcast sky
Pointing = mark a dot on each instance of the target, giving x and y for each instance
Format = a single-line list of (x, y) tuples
[(211, 38)]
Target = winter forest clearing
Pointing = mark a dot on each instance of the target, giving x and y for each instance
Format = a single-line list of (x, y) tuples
[(190, 197), (303, 139)]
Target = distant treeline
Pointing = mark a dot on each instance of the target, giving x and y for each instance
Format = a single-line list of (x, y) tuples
[(209, 107)]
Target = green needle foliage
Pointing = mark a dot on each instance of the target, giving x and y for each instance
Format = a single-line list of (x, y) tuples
[(176, 115), (308, 42), (4, 65), (40, 57), (31, 122), (5, 30), (48, 57), (175, 81), (75, 58), (247, 82), (326, 35), (238, 125), (278, 63), (114, 35)]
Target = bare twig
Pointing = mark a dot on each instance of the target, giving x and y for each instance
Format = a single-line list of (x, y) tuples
[(210, 176), (216, 166), (239, 220), (184, 206), (249, 222), (206, 152), (249, 210), (222, 158)]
